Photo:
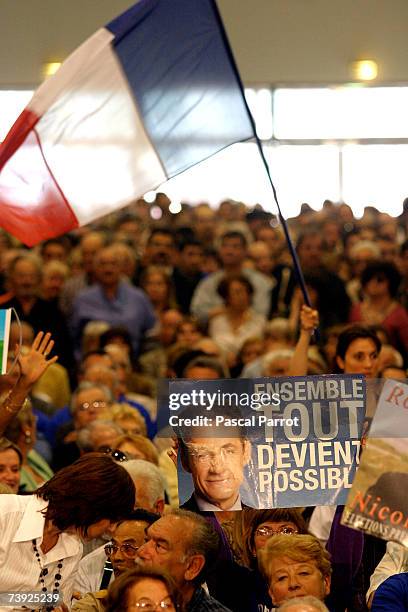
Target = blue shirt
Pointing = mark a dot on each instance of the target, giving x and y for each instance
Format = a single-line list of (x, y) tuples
[(130, 308), (392, 595)]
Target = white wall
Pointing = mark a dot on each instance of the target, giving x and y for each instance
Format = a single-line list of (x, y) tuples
[(274, 41)]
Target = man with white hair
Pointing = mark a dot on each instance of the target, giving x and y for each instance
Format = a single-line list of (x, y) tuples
[(149, 485), (304, 604), (112, 299)]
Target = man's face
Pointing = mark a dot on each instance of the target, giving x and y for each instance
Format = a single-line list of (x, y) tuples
[(169, 320), (232, 251), (290, 578), (310, 252), (107, 268), (165, 547), (217, 468), (160, 250), (89, 403), (25, 279), (90, 245), (191, 258), (126, 540)]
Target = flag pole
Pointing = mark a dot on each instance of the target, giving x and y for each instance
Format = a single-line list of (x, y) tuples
[(296, 264)]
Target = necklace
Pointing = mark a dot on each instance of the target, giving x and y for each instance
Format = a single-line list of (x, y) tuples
[(43, 573)]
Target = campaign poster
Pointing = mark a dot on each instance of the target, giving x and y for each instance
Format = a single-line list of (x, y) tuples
[(5, 318), (264, 443), (377, 503)]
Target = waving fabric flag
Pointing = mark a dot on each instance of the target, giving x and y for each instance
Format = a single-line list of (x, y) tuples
[(143, 99)]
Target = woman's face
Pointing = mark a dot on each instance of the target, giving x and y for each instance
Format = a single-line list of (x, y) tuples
[(290, 578), (10, 469), (130, 426), (156, 287), (377, 286), (187, 334), (361, 357), (131, 450), (268, 529), (151, 593)]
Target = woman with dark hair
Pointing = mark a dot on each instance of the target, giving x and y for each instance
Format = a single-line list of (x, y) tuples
[(158, 286), (260, 525), (139, 589), (357, 351), (250, 532), (380, 282), (40, 534)]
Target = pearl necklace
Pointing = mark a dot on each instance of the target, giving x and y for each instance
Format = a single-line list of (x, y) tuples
[(44, 572)]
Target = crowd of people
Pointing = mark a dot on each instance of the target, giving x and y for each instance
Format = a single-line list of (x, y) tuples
[(90, 516)]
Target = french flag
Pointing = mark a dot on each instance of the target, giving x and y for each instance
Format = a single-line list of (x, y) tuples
[(145, 98)]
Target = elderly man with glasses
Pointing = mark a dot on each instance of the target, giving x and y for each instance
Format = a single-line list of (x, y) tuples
[(120, 554)]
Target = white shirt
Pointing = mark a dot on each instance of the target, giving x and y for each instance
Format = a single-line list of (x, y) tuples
[(21, 521), (90, 571), (321, 522)]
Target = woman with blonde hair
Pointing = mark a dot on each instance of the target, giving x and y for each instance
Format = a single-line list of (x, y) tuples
[(128, 419), (296, 567), (137, 447)]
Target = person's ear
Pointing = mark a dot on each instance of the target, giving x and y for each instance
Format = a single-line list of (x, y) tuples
[(195, 565), (340, 362), (185, 461), (271, 594), (327, 583)]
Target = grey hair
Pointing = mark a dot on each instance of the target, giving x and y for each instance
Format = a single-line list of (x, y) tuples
[(272, 356), (204, 540), (308, 600), (25, 256), (154, 482), (85, 385), (84, 438)]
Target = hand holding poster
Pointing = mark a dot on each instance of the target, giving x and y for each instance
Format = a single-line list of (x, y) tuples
[(264, 443), (5, 318), (378, 503)]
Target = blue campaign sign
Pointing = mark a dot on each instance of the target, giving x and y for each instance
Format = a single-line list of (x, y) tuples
[(265, 443)]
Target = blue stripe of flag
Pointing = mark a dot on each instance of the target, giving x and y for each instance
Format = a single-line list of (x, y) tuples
[(179, 69)]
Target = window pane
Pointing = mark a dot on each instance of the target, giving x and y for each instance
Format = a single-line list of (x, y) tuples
[(12, 103), (375, 175), (237, 173), (347, 112), (300, 174), (260, 104), (304, 174)]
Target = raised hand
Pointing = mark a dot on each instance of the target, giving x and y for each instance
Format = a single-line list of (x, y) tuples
[(34, 362), (309, 319)]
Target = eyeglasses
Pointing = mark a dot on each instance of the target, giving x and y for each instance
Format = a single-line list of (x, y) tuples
[(150, 606), (128, 550), (268, 532), (96, 405), (116, 454)]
